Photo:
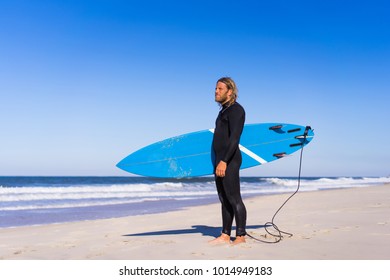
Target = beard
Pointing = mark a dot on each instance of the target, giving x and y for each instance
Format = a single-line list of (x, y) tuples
[(222, 99)]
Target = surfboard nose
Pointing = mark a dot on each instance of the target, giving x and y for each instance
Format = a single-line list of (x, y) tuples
[(120, 165)]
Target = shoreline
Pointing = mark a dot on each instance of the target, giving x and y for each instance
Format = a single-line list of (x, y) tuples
[(337, 224), (15, 219), (30, 201)]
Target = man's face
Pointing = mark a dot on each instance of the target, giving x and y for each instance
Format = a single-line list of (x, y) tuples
[(222, 93)]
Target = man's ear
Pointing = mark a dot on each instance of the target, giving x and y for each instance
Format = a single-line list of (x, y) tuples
[(230, 93)]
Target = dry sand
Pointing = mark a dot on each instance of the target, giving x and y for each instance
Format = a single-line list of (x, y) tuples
[(351, 224)]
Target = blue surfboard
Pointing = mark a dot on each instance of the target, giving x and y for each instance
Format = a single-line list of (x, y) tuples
[(190, 155)]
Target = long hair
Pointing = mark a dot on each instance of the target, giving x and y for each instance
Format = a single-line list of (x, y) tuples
[(230, 85)]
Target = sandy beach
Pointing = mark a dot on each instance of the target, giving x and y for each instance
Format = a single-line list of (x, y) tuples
[(352, 224)]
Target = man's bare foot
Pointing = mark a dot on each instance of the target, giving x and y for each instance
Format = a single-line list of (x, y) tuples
[(222, 239), (239, 240)]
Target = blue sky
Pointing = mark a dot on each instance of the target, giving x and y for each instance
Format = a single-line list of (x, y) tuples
[(85, 83)]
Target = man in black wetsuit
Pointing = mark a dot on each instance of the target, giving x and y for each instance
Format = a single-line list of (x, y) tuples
[(228, 129)]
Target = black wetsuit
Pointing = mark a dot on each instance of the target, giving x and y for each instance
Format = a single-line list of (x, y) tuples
[(228, 129)]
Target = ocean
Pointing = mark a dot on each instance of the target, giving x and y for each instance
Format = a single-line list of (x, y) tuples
[(43, 200)]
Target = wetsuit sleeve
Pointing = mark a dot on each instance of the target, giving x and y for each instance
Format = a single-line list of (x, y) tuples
[(236, 125)]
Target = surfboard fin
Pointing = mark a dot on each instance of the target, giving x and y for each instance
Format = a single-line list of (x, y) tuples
[(280, 155), (276, 127), (296, 145), (294, 130)]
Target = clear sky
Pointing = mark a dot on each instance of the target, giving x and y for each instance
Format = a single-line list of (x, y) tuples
[(85, 83)]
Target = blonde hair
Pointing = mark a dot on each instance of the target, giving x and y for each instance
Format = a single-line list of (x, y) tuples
[(232, 86)]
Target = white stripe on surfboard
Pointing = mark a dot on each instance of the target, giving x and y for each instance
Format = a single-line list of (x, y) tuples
[(252, 155), (248, 152)]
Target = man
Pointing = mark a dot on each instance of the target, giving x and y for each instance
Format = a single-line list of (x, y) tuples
[(228, 129)]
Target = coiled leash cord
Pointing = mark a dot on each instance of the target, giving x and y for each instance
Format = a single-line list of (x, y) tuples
[(279, 233)]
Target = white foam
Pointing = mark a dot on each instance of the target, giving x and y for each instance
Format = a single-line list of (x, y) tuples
[(321, 183), (40, 197)]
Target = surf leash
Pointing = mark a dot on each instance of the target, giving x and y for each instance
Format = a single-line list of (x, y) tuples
[(279, 233)]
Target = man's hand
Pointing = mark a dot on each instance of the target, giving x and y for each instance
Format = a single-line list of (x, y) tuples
[(221, 169)]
